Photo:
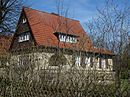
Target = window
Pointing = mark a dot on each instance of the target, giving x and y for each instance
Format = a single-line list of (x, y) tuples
[(78, 60), (67, 38), (62, 38), (24, 37), (24, 21), (87, 61), (106, 63), (70, 39), (96, 61), (110, 62), (74, 40), (103, 63), (91, 62), (100, 65)]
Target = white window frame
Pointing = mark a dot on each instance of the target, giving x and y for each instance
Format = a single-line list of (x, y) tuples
[(66, 38), (87, 61), (74, 40), (24, 20), (103, 63), (78, 60), (24, 37)]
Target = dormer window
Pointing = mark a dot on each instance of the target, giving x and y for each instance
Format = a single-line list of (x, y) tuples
[(24, 20), (67, 38), (74, 40), (24, 37)]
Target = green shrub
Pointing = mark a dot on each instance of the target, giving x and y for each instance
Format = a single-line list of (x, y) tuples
[(124, 75)]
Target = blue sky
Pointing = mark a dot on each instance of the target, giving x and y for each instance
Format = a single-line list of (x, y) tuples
[(82, 10)]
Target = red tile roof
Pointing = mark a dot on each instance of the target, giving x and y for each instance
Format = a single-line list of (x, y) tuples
[(5, 42), (43, 26)]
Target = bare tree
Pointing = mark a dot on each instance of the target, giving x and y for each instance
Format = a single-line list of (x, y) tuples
[(9, 12), (111, 27), (111, 30)]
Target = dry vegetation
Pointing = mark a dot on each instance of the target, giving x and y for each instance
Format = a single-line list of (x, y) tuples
[(24, 81)]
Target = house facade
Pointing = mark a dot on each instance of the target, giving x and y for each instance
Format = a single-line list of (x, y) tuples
[(46, 40)]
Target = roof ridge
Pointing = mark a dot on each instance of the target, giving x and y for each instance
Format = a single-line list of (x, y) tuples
[(51, 13)]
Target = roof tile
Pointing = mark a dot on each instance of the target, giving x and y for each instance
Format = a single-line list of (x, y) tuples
[(43, 26)]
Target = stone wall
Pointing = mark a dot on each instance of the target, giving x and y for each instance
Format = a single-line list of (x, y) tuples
[(41, 61)]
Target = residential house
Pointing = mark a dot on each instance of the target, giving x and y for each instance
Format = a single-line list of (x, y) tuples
[(50, 40)]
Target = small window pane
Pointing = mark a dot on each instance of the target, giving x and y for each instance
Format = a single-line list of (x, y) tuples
[(24, 21), (78, 60), (87, 61)]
